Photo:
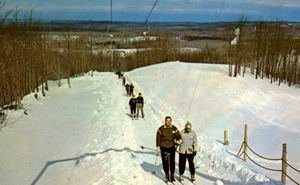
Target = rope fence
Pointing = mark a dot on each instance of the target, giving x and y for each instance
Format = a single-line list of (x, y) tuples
[(240, 153), (292, 167), (243, 151), (266, 158), (290, 178), (270, 169)]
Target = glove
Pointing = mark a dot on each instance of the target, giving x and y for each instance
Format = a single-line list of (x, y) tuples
[(194, 153), (157, 149), (178, 142)]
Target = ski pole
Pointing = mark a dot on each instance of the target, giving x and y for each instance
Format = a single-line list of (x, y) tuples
[(143, 147), (154, 168)]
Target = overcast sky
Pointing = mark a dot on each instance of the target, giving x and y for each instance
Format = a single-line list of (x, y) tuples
[(166, 10)]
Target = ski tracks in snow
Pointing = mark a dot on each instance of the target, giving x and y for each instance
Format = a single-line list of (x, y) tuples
[(214, 164), (112, 138), (89, 139), (155, 111)]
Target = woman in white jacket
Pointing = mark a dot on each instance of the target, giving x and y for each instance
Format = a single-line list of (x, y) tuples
[(187, 150)]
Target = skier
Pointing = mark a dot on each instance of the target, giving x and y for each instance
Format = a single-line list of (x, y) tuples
[(131, 89), (187, 150), (127, 87), (124, 80), (132, 104), (119, 74), (140, 105), (167, 137)]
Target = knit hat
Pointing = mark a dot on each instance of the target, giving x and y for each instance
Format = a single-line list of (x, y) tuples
[(188, 125)]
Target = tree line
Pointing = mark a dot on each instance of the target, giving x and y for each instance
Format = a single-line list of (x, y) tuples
[(267, 50), (30, 56)]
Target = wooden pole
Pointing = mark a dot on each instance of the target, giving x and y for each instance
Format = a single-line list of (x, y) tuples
[(245, 142), (284, 160), (226, 141)]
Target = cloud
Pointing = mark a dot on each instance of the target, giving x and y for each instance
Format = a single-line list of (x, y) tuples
[(138, 9), (141, 5), (282, 3), (79, 5)]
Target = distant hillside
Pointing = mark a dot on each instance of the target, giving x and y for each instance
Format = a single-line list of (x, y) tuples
[(89, 25)]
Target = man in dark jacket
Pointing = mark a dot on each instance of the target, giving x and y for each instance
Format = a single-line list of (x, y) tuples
[(131, 89), (167, 137), (127, 87), (140, 105), (132, 104), (124, 80), (119, 74)]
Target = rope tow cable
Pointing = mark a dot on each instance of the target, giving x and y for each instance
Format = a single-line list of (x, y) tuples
[(147, 18), (111, 15)]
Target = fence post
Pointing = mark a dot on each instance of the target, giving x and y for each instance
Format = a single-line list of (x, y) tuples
[(226, 141), (283, 163), (245, 142)]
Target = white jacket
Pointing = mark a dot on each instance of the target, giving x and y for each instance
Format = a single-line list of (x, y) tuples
[(189, 142)]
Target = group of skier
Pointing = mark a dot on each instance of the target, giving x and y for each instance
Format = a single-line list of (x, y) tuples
[(120, 74), (136, 104), (129, 89), (168, 139)]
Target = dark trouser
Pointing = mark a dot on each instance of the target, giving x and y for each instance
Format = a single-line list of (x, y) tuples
[(132, 110), (168, 161), (182, 161)]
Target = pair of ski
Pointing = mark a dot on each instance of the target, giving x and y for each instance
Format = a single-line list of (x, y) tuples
[(135, 118), (170, 183), (180, 181)]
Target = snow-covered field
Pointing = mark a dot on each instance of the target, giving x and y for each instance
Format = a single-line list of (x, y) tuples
[(125, 52), (84, 136)]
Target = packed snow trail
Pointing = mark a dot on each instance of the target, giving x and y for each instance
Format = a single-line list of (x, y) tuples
[(218, 102), (214, 164), (81, 135), (78, 136)]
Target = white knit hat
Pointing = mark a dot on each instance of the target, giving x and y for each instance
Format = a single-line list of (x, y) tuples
[(188, 124)]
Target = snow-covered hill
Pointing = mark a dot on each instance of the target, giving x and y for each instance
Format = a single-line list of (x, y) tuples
[(84, 136)]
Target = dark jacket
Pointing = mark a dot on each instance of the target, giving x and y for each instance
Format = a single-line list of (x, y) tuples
[(140, 99), (127, 86), (131, 87), (165, 136), (132, 102)]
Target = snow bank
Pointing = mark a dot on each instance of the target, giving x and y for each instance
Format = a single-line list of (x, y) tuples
[(212, 101), (83, 135)]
